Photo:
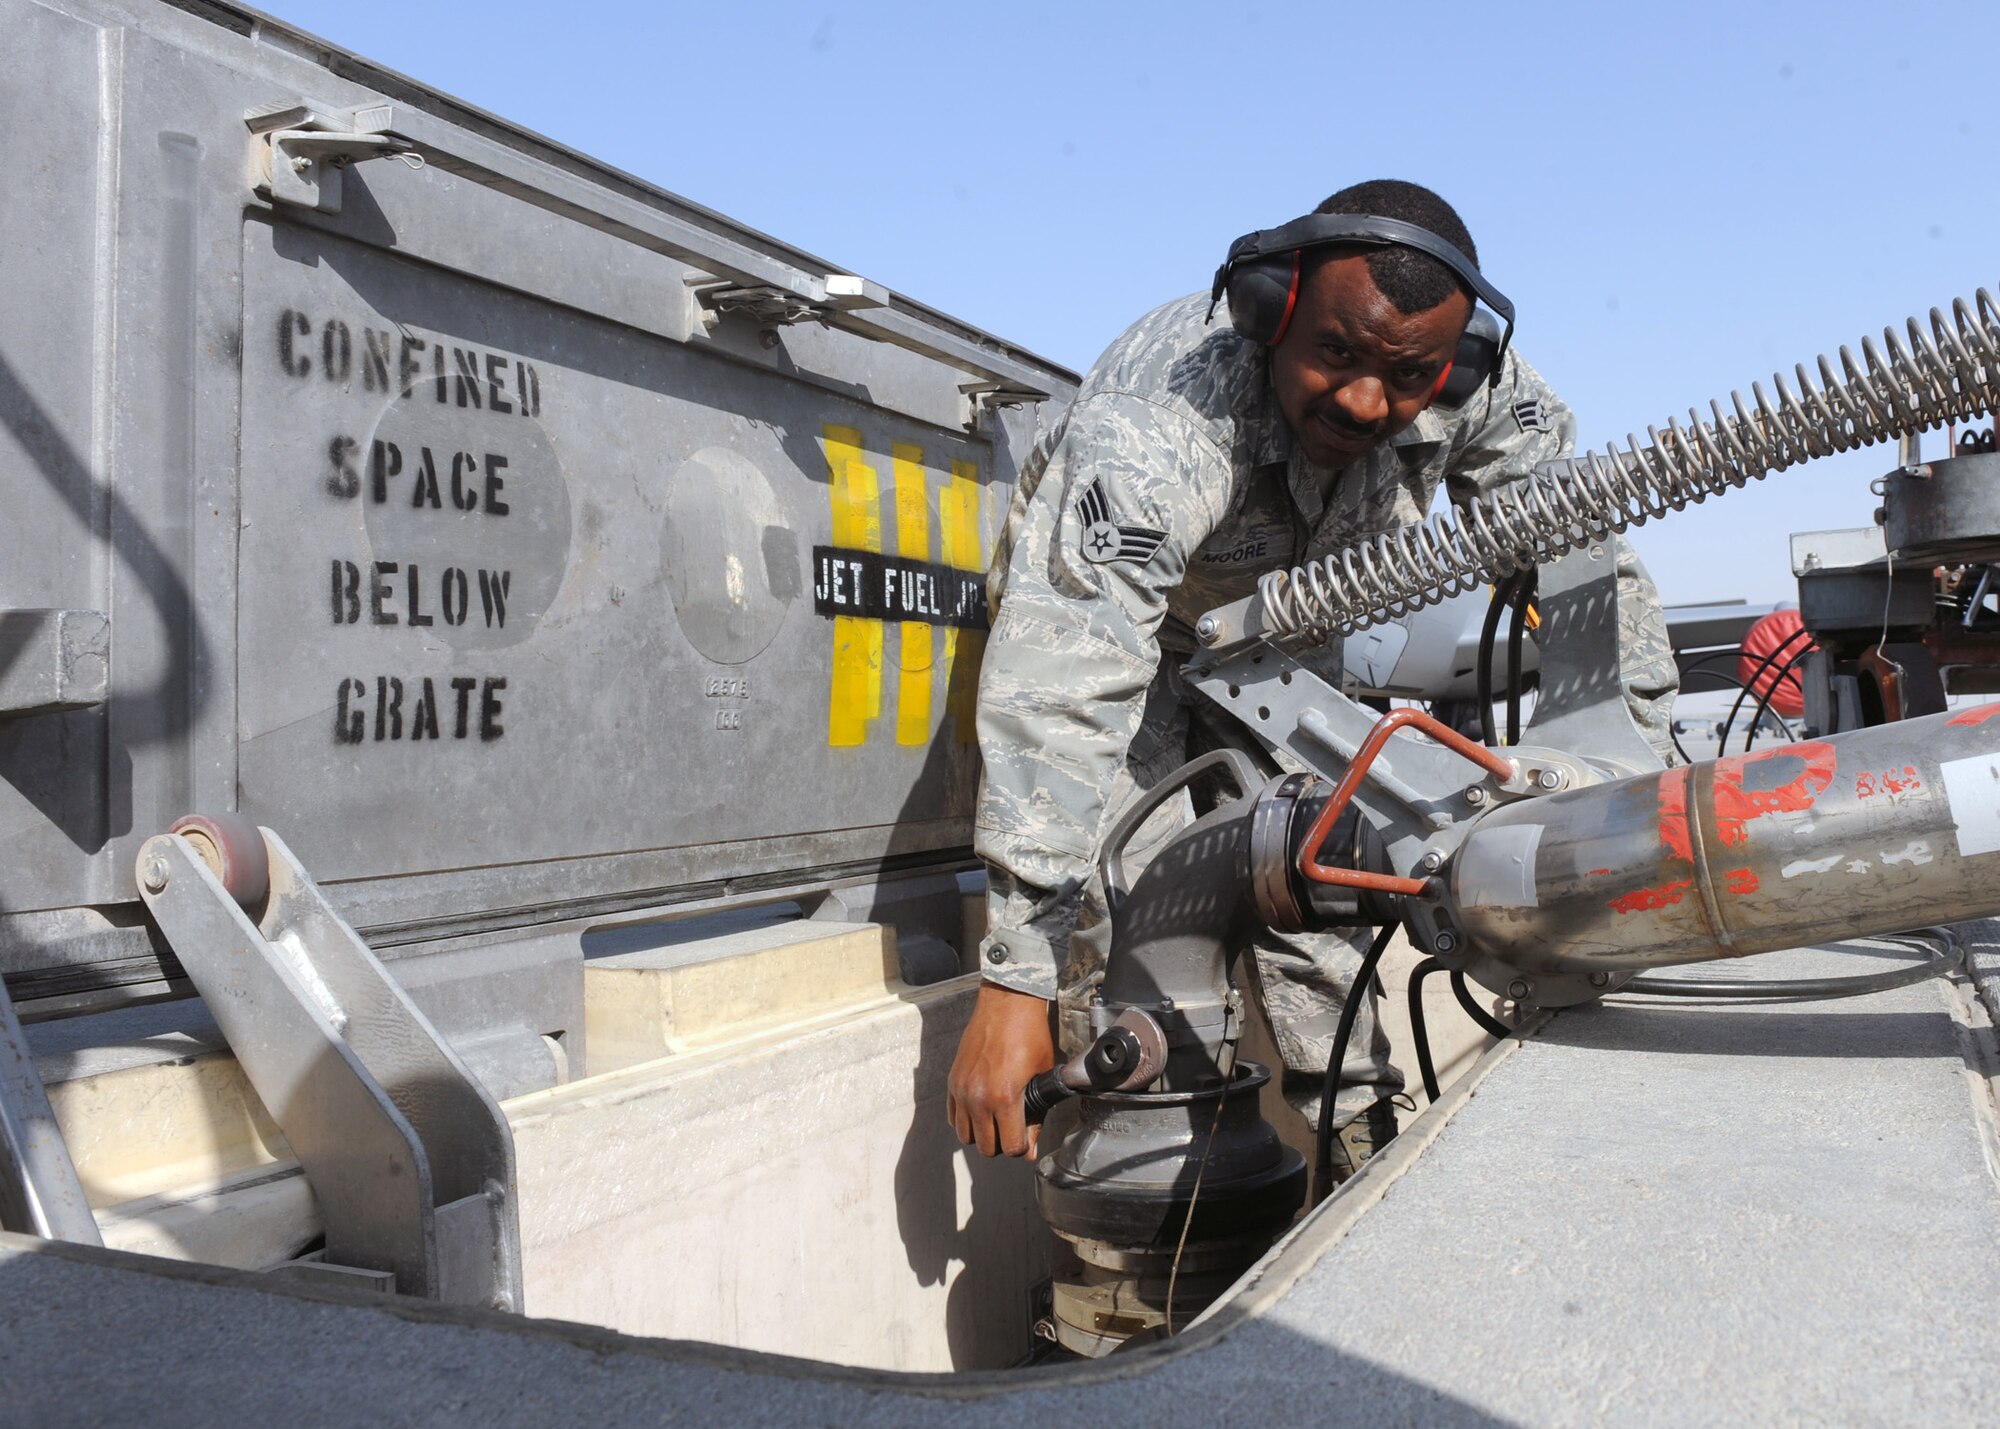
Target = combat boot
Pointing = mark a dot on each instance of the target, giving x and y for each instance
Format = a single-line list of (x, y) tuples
[(1362, 1137)]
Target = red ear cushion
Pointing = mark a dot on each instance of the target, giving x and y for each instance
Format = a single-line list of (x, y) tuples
[(1443, 377), (1291, 301)]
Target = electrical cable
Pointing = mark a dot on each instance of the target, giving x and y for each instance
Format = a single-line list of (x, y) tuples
[(1489, 632), (1524, 591), (1764, 704), (1488, 1023), (1722, 744), (1945, 374), (1425, 1067), (1330, 1088), (1948, 957)]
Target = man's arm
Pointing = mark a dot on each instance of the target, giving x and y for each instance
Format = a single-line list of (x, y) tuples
[(1130, 490), (1521, 423)]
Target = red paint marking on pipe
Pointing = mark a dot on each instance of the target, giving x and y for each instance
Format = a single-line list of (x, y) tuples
[(1646, 900), (1599, 872), (1979, 714), (1889, 781), (1736, 806), (1741, 880), (1674, 813)]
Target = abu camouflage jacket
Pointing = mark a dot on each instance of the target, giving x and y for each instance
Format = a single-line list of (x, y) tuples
[(1169, 486)]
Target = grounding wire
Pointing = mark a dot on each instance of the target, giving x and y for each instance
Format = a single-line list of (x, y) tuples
[(1201, 1170), (1938, 374)]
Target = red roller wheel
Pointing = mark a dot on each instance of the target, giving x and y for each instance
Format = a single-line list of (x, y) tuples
[(233, 848)]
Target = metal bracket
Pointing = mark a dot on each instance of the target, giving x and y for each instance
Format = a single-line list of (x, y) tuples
[(40, 1194), (300, 150), (1580, 703), (410, 1158), (989, 397), (772, 306)]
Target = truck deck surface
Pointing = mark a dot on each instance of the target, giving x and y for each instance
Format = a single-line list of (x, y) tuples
[(1639, 1213)]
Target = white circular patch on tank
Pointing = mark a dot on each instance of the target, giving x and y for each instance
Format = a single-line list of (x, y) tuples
[(470, 530), (729, 555)]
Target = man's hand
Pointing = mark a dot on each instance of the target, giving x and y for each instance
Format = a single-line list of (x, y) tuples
[(1006, 1044)]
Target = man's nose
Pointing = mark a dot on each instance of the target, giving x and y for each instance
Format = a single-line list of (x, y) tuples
[(1364, 401)]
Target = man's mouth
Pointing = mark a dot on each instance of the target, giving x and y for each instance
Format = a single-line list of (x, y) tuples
[(1344, 437)]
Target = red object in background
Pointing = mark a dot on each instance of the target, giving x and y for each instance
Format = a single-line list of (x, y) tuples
[(1778, 630)]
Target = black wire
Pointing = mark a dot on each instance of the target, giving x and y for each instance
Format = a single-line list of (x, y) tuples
[(1489, 1024), (1330, 1088), (1735, 653), (1524, 591), (1748, 686), (1722, 744), (1949, 956), (1425, 1068), (1728, 681), (1764, 704), (1488, 633)]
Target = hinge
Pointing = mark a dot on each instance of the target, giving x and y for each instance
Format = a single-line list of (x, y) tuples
[(300, 150)]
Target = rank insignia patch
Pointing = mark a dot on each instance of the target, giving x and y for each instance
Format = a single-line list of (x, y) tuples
[(1532, 416), (1108, 540)]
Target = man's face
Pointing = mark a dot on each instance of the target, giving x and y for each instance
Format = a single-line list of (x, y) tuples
[(1352, 371)]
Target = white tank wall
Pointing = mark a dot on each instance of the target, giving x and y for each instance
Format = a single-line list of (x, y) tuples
[(769, 1171)]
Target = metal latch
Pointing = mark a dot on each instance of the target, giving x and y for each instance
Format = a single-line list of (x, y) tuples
[(986, 398), (779, 307), (300, 150)]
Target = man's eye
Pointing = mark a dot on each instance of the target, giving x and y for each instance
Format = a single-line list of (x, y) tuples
[(1337, 351), (1413, 376)]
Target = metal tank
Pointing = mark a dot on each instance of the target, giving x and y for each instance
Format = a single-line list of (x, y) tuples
[(540, 552)]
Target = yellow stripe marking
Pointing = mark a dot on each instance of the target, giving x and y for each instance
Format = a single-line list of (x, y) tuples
[(856, 694), (913, 539), (958, 530)]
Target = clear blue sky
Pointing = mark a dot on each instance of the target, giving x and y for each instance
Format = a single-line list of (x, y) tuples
[(1678, 198)]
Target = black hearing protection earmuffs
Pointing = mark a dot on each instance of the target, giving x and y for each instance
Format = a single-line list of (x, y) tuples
[(1261, 277)]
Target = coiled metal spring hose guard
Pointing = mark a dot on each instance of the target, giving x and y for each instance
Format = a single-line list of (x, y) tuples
[(1947, 372)]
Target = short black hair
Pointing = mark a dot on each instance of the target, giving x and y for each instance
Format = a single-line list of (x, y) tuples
[(1415, 282)]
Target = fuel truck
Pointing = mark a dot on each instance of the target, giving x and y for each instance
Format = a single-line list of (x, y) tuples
[(487, 658)]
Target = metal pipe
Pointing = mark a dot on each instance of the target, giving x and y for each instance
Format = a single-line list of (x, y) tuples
[(1869, 832)]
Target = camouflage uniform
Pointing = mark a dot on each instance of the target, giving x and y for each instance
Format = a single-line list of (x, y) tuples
[(1168, 487)]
